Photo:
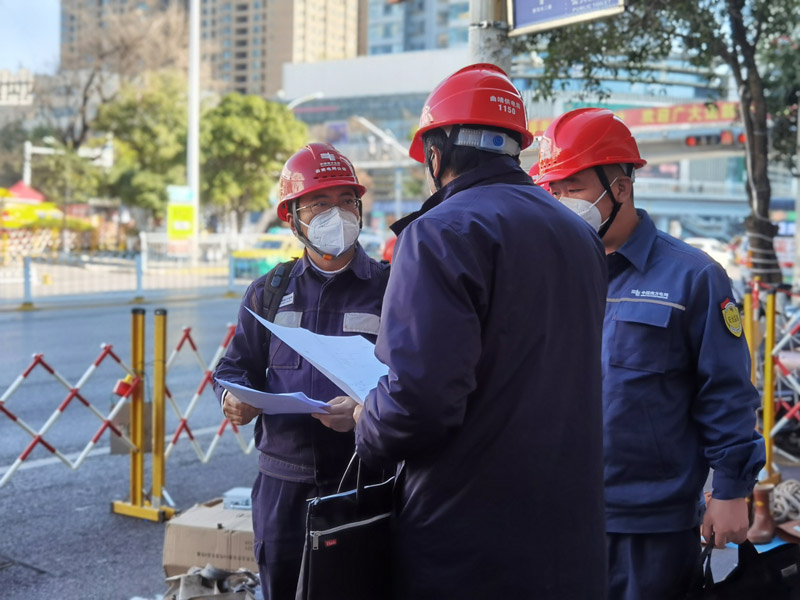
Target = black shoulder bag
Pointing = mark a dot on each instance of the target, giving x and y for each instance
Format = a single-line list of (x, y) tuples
[(347, 552), (773, 574)]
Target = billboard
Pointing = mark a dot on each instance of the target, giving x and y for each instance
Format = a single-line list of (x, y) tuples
[(529, 16), (659, 117), (181, 213)]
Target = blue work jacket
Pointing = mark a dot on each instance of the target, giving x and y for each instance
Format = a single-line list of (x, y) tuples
[(297, 447), (677, 396), (491, 329)]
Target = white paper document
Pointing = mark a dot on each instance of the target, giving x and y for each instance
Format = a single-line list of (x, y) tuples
[(347, 360), (275, 404)]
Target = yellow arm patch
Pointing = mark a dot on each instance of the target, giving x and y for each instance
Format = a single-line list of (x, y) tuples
[(731, 317)]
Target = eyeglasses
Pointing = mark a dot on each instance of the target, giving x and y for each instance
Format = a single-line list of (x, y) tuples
[(351, 204)]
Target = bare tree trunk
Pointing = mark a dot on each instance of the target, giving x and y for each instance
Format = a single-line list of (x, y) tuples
[(760, 230), (240, 216)]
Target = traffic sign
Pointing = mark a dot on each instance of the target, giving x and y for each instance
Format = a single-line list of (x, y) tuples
[(180, 194), (529, 16)]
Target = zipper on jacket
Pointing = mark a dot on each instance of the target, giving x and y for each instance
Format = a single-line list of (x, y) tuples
[(315, 535)]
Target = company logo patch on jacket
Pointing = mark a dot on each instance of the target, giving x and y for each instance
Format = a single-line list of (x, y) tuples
[(287, 300), (730, 314)]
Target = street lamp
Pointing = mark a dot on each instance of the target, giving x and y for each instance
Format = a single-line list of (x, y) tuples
[(303, 99), (400, 162)]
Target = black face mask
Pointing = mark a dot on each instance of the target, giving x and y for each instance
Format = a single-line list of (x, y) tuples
[(601, 174)]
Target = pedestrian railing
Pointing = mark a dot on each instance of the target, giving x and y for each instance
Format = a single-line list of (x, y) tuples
[(186, 343), (772, 327), (130, 395)]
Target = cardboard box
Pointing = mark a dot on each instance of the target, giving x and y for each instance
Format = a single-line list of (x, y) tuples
[(209, 533)]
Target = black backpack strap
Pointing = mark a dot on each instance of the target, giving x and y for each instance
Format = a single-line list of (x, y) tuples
[(274, 289), (268, 302)]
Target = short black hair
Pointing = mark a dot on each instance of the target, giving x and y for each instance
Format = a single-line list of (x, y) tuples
[(460, 159)]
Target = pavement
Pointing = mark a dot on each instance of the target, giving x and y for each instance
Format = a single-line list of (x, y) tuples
[(58, 536)]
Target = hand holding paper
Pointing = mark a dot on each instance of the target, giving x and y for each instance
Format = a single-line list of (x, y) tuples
[(275, 404), (348, 361), (340, 414)]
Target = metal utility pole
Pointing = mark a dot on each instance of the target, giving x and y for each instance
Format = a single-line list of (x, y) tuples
[(796, 269), (488, 33), (193, 138)]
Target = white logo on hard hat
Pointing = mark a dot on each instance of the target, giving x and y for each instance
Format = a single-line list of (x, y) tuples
[(327, 155)]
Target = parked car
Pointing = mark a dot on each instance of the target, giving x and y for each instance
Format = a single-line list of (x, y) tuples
[(271, 249), (371, 243), (714, 248)]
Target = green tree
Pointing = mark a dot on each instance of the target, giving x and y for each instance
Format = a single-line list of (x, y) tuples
[(149, 126), (66, 178), (782, 90), (711, 33), (245, 140)]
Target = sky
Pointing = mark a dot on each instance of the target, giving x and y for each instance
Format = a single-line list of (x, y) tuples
[(29, 35)]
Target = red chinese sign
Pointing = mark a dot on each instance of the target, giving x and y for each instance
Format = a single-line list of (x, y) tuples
[(664, 116)]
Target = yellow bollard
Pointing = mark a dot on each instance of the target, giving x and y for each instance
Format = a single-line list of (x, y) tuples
[(137, 506), (768, 396), (748, 334), (159, 408)]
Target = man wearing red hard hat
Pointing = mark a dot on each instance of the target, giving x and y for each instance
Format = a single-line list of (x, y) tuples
[(334, 289), (677, 396), (491, 331)]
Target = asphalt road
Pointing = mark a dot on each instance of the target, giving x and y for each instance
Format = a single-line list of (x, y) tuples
[(58, 536)]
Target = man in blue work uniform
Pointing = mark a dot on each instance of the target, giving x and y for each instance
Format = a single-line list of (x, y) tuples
[(491, 331), (334, 289), (676, 391)]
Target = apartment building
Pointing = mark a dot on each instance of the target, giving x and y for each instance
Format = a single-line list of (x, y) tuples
[(243, 42)]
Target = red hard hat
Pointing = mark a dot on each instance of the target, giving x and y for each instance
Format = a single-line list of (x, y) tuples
[(583, 138), (534, 173), (481, 94), (315, 167)]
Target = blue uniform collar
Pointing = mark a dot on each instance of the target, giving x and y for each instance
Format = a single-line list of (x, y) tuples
[(503, 169), (637, 248), (359, 265)]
